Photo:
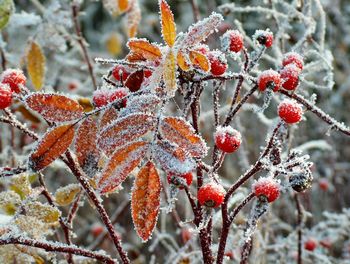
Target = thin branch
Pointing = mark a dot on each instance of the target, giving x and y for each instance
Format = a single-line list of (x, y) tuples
[(53, 247), (300, 228)]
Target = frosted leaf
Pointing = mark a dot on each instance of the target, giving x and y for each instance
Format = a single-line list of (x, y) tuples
[(172, 158), (201, 30), (146, 103)]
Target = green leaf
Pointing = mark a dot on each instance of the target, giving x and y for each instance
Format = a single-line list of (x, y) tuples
[(6, 9)]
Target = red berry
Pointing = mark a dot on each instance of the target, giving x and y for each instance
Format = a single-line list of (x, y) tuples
[(120, 73), (227, 139), (293, 58), (310, 244), (101, 97), (264, 37), (290, 77), (218, 63), (229, 254), (204, 49), (14, 78), (5, 96), (173, 179), (267, 187), (290, 111), (118, 94), (232, 40), (147, 73), (269, 79), (96, 230), (324, 184), (211, 194), (73, 85)]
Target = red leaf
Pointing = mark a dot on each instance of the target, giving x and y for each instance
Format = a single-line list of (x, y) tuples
[(55, 107), (86, 147), (53, 144), (180, 132), (108, 117), (145, 200), (119, 166), (125, 130), (134, 81)]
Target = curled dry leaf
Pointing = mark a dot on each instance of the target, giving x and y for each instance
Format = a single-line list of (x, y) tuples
[(55, 107), (144, 48), (180, 132), (119, 166), (53, 144), (133, 18), (201, 30), (145, 200), (168, 23), (86, 149), (200, 60), (125, 130), (172, 158), (169, 73), (36, 65)]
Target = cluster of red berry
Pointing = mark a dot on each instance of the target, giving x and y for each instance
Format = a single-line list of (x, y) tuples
[(10, 82)]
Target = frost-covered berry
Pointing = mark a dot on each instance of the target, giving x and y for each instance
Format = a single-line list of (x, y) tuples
[(179, 179), (14, 78), (293, 58), (120, 73), (290, 111), (267, 187), (100, 97), (264, 37), (218, 62), (269, 79), (5, 96), (227, 139), (290, 77), (300, 181), (310, 244), (211, 195), (118, 94), (232, 40)]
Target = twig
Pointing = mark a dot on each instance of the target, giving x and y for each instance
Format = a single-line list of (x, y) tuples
[(195, 10), (300, 228)]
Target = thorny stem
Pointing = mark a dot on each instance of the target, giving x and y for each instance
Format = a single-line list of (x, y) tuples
[(52, 247), (300, 228), (74, 167), (317, 111), (226, 218), (75, 11)]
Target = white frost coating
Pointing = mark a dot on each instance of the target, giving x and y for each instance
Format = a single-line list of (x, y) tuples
[(221, 131), (23, 19), (201, 30), (146, 103)]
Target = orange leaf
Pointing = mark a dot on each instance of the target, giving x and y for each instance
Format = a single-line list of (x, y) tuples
[(108, 117), (133, 19), (124, 130), (135, 57), (86, 147), (201, 30), (146, 49), (123, 5), (145, 200), (200, 60), (55, 107), (168, 23), (172, 158), (120, 165), (182, 61), (53, 144), (169, 73), (180, 132)]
